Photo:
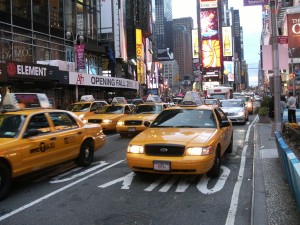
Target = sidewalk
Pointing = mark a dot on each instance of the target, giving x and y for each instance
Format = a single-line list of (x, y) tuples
[(272, 201)]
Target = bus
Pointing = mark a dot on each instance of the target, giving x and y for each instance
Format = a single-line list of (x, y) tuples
[(220, 92)]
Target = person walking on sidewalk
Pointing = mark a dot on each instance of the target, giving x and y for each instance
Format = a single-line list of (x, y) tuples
[(282, 105), (291, 104)]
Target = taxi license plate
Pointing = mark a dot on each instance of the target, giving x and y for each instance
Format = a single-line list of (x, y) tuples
[(162, 165), (131, 129)]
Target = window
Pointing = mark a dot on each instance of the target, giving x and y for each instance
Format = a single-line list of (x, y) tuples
[(63, 121), (39, 122)]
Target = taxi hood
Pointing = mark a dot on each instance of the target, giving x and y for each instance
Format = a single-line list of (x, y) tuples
[(140, 117), (175, 135)]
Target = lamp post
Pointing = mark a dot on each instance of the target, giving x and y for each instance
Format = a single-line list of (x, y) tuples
[(291, 55), (79, 53)]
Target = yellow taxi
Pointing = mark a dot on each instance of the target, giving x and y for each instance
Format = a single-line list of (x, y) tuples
[(34, 136), (87, 106), (110, 114), (134, 123), (186, 139)]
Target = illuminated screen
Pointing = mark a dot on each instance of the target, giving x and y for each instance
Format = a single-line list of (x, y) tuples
[(209, 23), (211, 53)]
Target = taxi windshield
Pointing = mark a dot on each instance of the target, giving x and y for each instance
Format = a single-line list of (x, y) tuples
[(151, 109), (112, 109), (80, 107), (185, 118), (10, 125)]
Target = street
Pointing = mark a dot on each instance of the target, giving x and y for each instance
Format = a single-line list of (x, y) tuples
[(107, 192)]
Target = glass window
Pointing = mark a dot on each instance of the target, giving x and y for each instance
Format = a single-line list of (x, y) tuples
[(57, 17), (40, 14), (21, 10), (39, 122), (5, 11), (21, 45), (10, 125), (63, 121)]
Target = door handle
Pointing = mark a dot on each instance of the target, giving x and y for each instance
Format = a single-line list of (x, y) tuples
[(79, 133), (53, 139)]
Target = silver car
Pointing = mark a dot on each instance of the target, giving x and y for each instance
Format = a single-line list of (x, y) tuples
[(236, 110)]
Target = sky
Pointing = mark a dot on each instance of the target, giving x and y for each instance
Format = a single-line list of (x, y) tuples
[(251, 22)]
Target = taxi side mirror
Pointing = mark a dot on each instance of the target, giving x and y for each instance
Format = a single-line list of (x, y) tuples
[(147, 123), (224, 123)]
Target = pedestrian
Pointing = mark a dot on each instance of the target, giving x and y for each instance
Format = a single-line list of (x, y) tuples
[(271, 116), (282, 105), (291, 104)]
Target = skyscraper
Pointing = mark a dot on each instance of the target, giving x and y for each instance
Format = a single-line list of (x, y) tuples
[(163, 24)]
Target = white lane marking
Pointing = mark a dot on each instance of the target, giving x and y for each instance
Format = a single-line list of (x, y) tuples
[(202, 184), (237, 187), (184, 183), (169, 184), (57, 179), (112, 135), (156, 183), (55, 192), (127, 180)]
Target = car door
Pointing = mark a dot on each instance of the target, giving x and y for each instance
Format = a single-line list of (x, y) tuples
[(226, 132), (68, 134), (39, 143)]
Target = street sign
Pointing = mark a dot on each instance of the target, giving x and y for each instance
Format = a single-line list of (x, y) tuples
[(282, 39)]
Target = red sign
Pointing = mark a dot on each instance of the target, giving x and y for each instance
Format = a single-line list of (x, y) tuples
[(282, 40)]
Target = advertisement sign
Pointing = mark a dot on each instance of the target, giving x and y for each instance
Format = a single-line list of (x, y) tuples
[(80, 56), (227, 41), (195, 44), (229, 70), (211, 53), (255, 2), (209, 24), (139, 55), (163, 54), (293, 22), (208, 4), (101, 81)]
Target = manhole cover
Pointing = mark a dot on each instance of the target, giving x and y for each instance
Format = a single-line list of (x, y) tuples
[(126, 219)]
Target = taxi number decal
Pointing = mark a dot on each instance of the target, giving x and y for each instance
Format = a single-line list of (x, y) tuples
[(43, 147)]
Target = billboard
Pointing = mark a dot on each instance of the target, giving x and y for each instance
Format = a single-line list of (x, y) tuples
[(229, 70), (163, 54), (195, 44), (208, 4), (209, 23), (293, 22), (211, 54), (139, 55), (255, 2), (227, 41)]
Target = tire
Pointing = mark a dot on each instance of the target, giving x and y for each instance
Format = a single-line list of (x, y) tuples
[(123, 135), (216, 168), (5, 180), (230, 146), (86, 155)]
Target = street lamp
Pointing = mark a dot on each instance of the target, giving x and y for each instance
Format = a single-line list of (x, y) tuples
[(79, 53), (291, 55)]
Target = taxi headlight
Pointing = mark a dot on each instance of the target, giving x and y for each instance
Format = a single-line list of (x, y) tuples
[(199, 150), (249, 104), (107, 121), (136, 149), (120, 123), (84, 121), (81, 116)]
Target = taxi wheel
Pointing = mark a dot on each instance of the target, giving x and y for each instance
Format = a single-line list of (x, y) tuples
[(123, 135), (216, 168), (86, 155), (5, 180)]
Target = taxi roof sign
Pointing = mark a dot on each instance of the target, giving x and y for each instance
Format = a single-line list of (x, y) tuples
[(18, 101), (192, 98), (119, 100), (87, 98), (153, 98)]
